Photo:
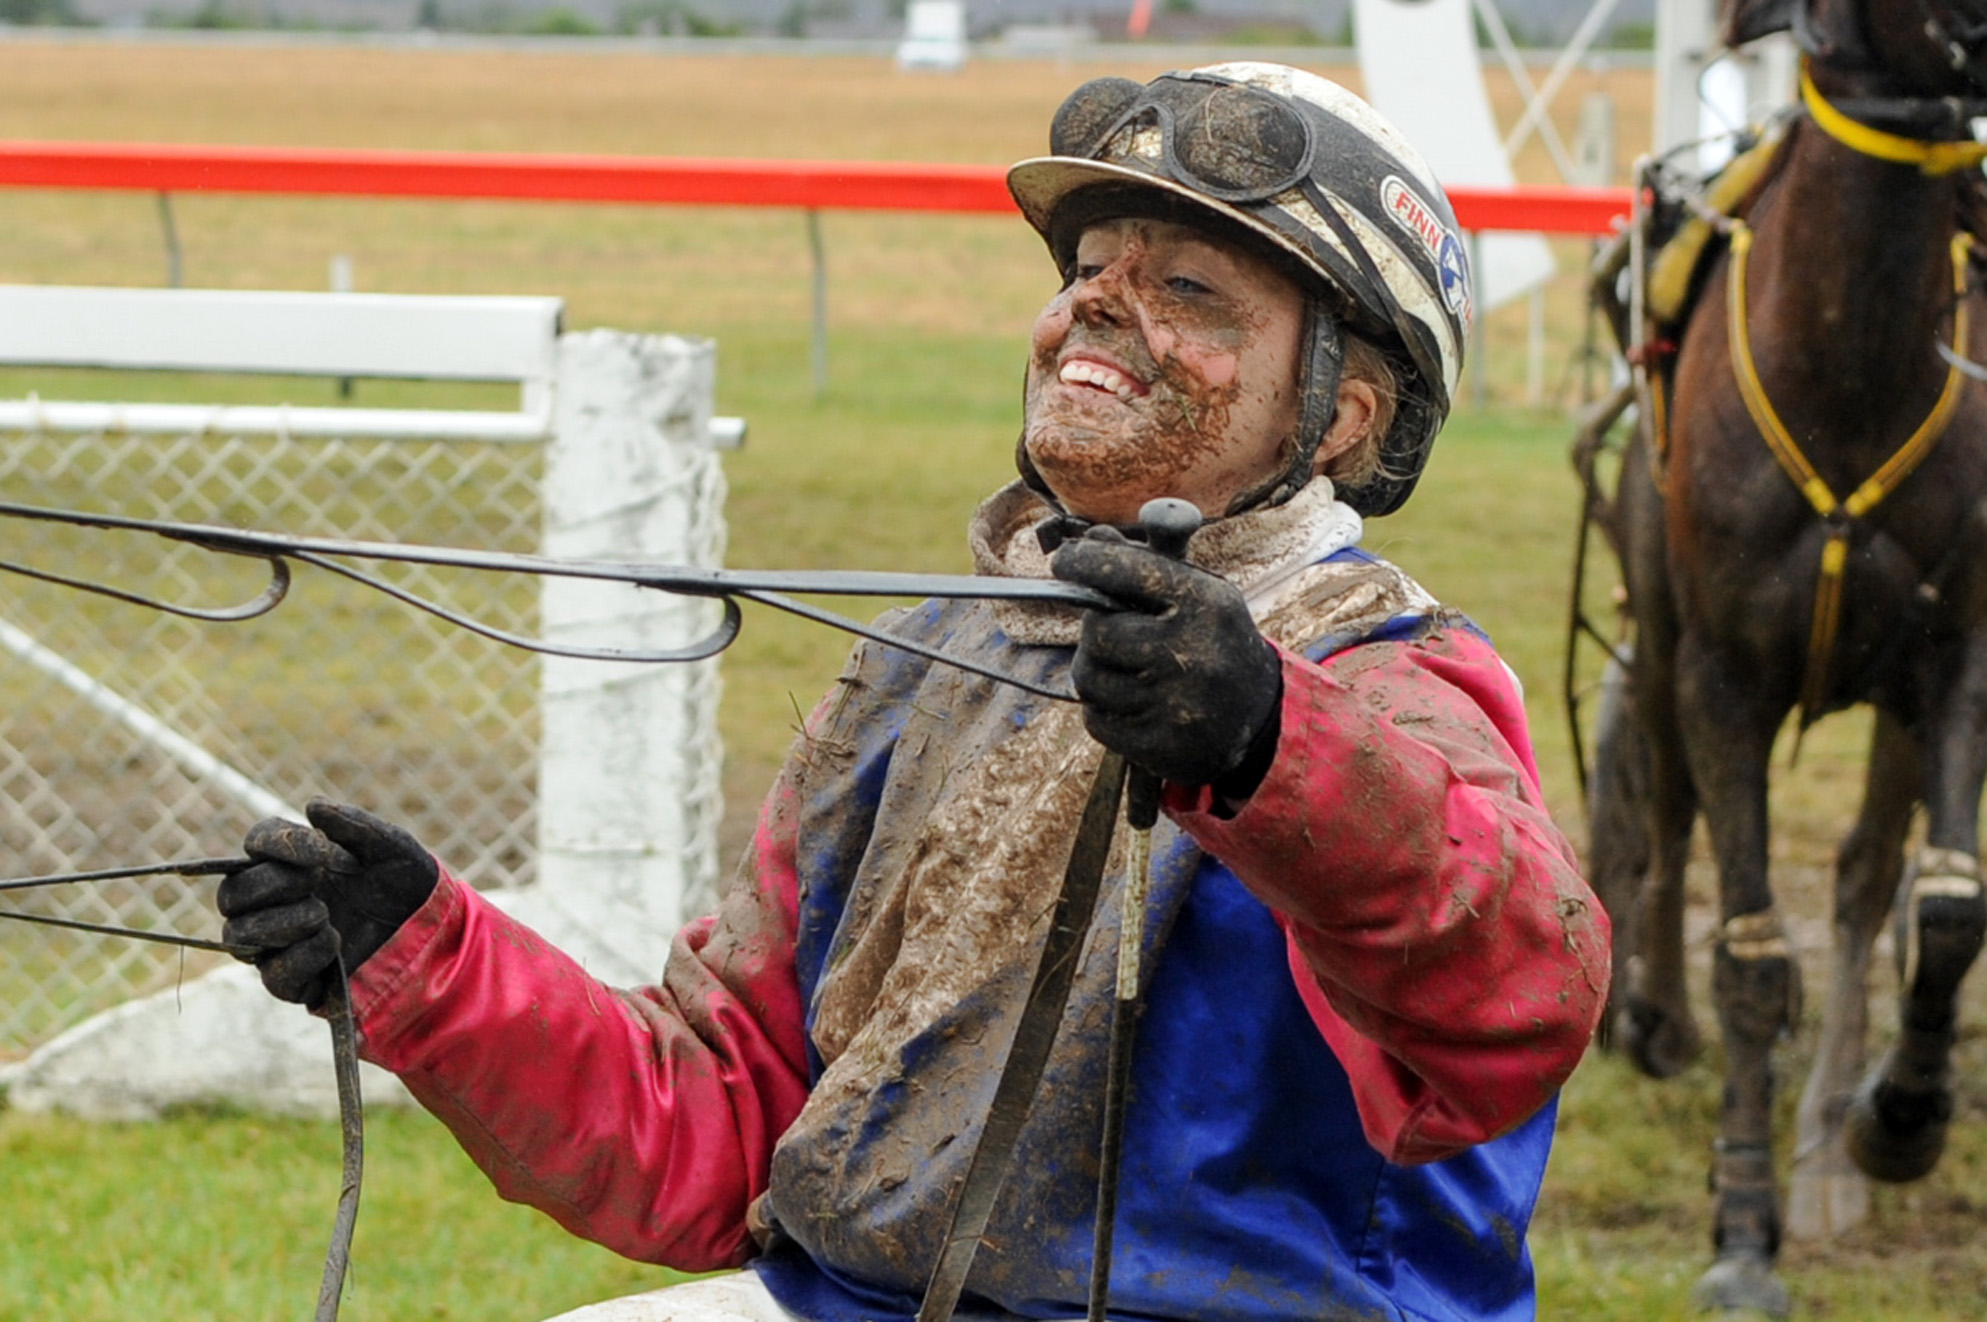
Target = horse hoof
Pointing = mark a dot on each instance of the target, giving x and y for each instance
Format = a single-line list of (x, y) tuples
[(1827, 1196), (1895, 1136), (1742, 1283), (1661, 1044)]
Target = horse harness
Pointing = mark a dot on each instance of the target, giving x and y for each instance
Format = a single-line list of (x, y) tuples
[(1721, 211)]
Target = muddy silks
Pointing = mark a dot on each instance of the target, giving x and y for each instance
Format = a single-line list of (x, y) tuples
[(935, 813)]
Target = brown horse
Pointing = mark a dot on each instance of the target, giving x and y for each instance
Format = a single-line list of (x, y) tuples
[(1802, 526)]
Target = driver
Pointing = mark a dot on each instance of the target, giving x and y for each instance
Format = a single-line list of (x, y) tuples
[(1373, 961)]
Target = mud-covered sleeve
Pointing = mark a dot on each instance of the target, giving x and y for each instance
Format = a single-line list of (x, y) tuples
[(1439, 929), (643, 1120)]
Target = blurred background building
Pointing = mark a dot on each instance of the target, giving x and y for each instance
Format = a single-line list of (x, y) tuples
[(1542, 23)]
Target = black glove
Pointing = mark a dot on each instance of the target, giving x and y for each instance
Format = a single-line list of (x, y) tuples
[(1180, 681), (313, 895)]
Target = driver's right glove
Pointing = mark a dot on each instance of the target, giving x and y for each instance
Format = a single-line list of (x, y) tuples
[(313, 895)]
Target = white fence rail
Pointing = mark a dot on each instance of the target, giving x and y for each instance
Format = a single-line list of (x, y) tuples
[(129, 736)]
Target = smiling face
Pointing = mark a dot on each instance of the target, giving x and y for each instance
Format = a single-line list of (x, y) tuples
[(1167, 366)]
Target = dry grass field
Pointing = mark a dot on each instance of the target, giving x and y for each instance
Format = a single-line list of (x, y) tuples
[(824, 109), (927, 317)]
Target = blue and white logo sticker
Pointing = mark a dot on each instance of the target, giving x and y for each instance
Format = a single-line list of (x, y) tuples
[(1452, 268), (1407, 210)]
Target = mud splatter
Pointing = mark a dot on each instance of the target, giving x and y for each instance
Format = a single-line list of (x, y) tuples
[(1210, 407)]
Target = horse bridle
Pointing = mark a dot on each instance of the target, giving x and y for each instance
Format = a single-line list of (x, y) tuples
[(1958, 27), (1961, 30)]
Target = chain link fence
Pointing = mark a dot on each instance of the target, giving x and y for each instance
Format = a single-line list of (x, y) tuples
[(341, 691)]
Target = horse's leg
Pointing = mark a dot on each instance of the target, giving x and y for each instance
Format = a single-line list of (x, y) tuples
[(1828, 1193), (1618, 823), (1652, 1020), (1729, 729), (1654, 1024), (1897, 1123)]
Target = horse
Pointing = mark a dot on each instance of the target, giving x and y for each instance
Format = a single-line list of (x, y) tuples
[(1800, 520)]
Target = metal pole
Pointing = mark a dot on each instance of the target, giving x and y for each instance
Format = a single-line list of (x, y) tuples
[(1479, 369), (820, 303), (1535, 350), (341, 283), (1684, 35), (1540, 102), (175, 266), (1514, 65)]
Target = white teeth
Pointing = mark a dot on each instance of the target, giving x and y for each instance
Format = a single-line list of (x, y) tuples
[(1093, 374)]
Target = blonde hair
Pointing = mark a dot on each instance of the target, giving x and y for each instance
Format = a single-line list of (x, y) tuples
[(1366, 361)]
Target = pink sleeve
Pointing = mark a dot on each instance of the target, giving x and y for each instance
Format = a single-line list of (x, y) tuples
[(1439, 929), (643, 1120)]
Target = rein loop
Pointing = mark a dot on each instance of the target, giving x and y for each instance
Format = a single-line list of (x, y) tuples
[(772, 588)]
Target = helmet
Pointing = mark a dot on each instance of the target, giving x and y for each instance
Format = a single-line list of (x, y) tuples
[(1298, 164)]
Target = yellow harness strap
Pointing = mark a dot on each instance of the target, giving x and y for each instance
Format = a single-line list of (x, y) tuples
[(1835, 552), (1930, 157)]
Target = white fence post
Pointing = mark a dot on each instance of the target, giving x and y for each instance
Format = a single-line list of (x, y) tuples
[(630, 769)]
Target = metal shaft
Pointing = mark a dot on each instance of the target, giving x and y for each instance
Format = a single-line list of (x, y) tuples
[(1168, 525)]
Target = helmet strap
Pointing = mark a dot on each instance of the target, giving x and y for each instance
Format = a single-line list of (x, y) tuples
[(1323, 358), (1061, 526)]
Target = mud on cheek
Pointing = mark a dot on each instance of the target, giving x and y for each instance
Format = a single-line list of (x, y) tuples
[(1191, 419)]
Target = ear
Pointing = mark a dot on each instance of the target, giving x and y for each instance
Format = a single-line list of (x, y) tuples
[(1740, 21), (1357, 402)]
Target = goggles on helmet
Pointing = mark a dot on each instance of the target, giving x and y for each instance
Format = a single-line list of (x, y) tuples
[(1229, 140)]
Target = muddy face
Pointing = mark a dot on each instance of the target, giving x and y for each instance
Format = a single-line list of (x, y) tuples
[(1167, 366)]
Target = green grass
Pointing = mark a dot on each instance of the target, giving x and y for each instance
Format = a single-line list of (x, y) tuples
[(226, 1217)]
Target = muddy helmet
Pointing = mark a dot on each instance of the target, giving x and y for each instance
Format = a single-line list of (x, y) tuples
[(1299, 167)]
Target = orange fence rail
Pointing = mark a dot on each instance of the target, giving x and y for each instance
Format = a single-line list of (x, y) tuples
[(809, 185)]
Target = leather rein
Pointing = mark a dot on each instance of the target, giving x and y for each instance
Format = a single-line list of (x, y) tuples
[(773, 588), (1115, 783), (336, 1010)]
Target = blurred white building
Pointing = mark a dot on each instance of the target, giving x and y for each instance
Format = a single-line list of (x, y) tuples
[(1534, 22)]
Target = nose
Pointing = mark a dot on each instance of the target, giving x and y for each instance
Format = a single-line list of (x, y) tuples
[(1104, 298)]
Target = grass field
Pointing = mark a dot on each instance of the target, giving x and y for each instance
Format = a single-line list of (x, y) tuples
[(222, 1216)]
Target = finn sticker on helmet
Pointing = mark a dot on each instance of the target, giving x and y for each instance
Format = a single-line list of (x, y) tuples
[(1445, 248)]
